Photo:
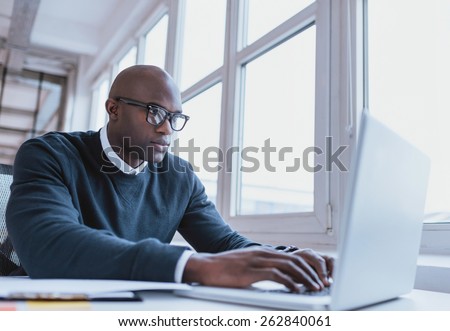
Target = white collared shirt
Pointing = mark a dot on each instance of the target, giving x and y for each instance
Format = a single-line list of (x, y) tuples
[(129, 170), (116, 159)]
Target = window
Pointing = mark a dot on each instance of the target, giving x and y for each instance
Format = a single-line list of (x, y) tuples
[(408, 84), (203, 39), (155, 43), (128, 59), (100, 91), (293, 71), (202, 54), (251, 77), (408, 78), (278, 125), (282, 87), (265, 15), (202, 132), (99, 96)]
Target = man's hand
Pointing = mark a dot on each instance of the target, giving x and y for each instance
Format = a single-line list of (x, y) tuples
[(243, 267), (323, 265)]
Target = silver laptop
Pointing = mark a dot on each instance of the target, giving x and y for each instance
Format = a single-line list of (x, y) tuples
[(381, 230)]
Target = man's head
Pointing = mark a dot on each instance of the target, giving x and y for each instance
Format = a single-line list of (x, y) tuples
[(129, 132)]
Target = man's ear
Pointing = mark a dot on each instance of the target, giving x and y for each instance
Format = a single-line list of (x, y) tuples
[(111, 108)]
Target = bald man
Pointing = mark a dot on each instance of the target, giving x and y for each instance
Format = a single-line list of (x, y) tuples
[(107, 204)]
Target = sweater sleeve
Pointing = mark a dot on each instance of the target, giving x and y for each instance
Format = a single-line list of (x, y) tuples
[(204, 228), (51, 240)]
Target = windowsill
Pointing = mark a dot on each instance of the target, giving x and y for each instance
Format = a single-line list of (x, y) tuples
[(433, 273), (434, 260), (433, 270)]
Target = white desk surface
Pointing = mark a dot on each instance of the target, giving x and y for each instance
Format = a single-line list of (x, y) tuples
[(417, 300), (160, 301)]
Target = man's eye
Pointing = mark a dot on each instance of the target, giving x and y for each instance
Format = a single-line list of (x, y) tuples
[(153, 111)]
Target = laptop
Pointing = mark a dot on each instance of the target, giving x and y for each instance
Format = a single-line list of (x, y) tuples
[(381, 228)]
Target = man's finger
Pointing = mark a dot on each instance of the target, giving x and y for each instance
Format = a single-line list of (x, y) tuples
[(294, 266), (319, 263), (276, 275)]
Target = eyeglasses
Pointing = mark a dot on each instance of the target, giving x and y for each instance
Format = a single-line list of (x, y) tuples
[(156, 115)]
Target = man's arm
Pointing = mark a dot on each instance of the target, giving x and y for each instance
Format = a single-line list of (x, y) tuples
[(204, 228), (206, 231), (50, 240), (241, 268)]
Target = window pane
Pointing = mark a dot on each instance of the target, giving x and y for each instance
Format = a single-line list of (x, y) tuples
[(278, 127), (155, 43), (203, 43), (128, 60), (409, 79), (265, 15), (202, 132), (99, 99)]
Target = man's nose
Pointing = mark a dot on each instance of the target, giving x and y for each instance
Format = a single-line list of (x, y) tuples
[(165, 128)]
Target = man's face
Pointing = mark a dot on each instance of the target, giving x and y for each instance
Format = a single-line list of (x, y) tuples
[(139, 139)]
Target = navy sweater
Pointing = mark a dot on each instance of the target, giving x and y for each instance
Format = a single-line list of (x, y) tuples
[(72, 214)]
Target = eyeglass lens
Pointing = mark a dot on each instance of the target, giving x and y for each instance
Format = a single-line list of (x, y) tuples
[(157, 116)]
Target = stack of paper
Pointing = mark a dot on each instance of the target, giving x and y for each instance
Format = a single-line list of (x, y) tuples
[(24, 288)]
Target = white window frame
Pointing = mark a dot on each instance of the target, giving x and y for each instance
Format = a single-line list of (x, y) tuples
[(320, 226), (277, 228), (342, 45), (95, 113), (158, 13)]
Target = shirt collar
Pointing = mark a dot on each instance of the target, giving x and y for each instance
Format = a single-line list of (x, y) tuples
[(116, 159)]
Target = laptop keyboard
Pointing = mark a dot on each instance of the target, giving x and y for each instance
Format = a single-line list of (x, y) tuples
[(303, 291), (326, 291)]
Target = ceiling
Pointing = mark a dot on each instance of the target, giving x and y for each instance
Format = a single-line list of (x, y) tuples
[(45, 36), (52, 30)]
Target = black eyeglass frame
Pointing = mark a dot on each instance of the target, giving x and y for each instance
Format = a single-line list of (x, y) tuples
[(154, 108)]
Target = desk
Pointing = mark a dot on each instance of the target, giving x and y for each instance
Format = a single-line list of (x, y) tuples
[(417, 300)]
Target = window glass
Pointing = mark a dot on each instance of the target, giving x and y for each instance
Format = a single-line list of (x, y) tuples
[(99, 99), (155, 43), (128, 60), (199, 140), (409, 78), (203, 42), (278, 129), (265, 15)]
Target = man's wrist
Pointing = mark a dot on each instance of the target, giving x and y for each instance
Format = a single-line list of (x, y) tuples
[(194, 268), (181, 265)]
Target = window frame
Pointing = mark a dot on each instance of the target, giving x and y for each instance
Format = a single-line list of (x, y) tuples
[(96, 113), (158, 14), (347, 94), (312, 229), (275, 227)]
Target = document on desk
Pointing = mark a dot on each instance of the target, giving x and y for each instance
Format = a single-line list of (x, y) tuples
[(24, 288)]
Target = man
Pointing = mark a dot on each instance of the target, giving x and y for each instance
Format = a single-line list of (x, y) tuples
[(106, 204)]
